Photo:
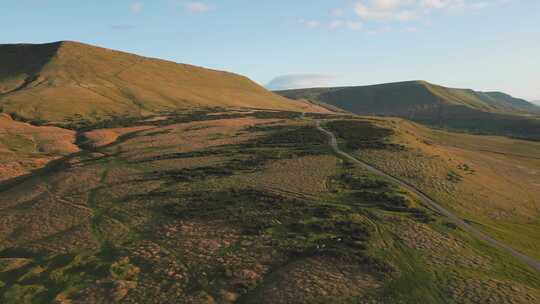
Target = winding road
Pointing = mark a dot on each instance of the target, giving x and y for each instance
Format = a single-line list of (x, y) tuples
[(534, 264)]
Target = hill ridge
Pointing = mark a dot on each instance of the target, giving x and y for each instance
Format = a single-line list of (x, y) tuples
[(434, 105), (18, 62), (489, 96), (424, 83), (66, 80)]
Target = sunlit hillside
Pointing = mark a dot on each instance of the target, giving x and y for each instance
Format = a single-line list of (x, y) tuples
[(66, 81)]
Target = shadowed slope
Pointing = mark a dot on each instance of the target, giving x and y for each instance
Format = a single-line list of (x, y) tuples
[(58, 81), (21, 62)]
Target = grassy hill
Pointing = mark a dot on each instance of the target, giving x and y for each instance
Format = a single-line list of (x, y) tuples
[(254, 207), (177, 189), (24, 147), (420, 101), (491, 181), (63, 81)]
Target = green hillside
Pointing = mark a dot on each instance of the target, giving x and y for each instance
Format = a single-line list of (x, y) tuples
[(460, 109), (63, 80), (256, 207), (125, 179), (505, 101)]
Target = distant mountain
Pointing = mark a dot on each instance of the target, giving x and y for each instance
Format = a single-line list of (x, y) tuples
[(501, 101), (420, 101), (62, 80)]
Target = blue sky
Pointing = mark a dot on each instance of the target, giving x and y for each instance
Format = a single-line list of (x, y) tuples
[(480, 44)]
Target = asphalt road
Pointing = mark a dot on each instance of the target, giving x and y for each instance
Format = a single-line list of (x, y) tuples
[(534, 264)]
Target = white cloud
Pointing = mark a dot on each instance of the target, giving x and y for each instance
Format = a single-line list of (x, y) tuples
[(386, 5), (354, 25), (480, 5), (136, 7), (336, 24), (408, 10), (387, 10), (434, 3), (332, 25), (312, 24), (198, 7), (370, 14), (298, 81), (378, 31), (459, 4)]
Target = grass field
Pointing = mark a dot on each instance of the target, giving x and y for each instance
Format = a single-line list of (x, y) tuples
[(24, 147), (241, 208), (493, 182)]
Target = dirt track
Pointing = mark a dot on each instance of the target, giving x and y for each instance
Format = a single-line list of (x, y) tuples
[(430, 202)]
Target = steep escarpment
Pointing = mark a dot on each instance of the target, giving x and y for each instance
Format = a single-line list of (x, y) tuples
[(63, 81)]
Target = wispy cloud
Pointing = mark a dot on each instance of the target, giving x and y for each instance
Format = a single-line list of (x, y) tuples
[(410, 10), (332, 25), (363, 12), (386, 10), (354, 25), (136, 7), (312, 24), (351, 25), (198, 7), (336, 24), (298, 81), (372, 15)]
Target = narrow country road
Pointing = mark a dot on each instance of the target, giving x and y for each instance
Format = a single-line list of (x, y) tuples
[(427, 200)]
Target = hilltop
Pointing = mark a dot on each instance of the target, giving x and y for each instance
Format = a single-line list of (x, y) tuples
[(63, 81), (420, 101)]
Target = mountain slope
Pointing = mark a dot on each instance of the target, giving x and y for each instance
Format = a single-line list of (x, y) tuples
[(507, 102), (24, 147), (483, 112), (62, 80), (254, 207)]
